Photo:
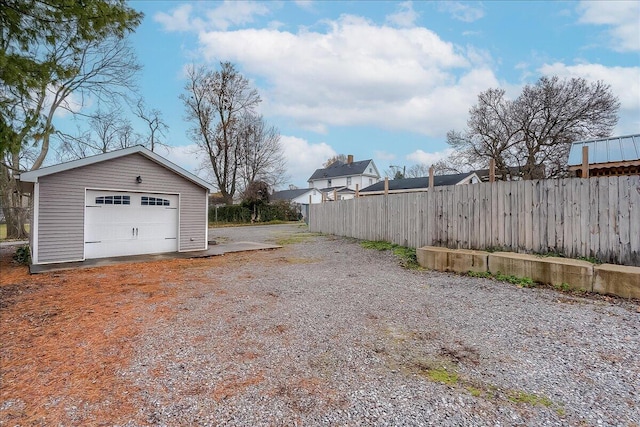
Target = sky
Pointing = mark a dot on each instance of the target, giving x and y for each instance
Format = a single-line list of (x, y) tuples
[(377, 79)]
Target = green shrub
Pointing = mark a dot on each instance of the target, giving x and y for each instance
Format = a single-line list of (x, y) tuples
[(23, 255), (279, 210)]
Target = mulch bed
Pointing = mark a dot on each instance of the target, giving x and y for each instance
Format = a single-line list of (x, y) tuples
[(65, 336)]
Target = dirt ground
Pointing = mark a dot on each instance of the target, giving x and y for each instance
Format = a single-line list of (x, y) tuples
[(68, 333), (245, 339)]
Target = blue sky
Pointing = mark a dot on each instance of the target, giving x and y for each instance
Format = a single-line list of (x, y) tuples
[(381, 80)]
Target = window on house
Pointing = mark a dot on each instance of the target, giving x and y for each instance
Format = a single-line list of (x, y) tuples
[(348, 180), (113, 200), (370, 181), (154, 201), (328, 183), (370, 170)]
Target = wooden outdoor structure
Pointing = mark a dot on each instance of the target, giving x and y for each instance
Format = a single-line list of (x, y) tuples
[(612, 156), (596, 217)]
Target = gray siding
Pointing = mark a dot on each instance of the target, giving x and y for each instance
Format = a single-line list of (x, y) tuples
[(62, 200)]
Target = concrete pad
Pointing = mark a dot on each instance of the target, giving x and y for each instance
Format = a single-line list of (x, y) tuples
[(455, 260), (577, 274), (214, 250), (620, 280)]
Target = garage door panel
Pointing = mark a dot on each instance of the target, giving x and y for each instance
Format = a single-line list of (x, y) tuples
[(139, 224)]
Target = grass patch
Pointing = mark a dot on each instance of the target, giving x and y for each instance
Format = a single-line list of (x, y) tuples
[(407, 256), (292, 239), (475, 392), (525, 282), (529, 398), (443, 375), (3, 230), (379, 245), (480, 274), (563, 287), (592, 260)]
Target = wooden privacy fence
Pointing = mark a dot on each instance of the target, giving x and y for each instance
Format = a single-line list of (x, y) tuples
[(595, 217)]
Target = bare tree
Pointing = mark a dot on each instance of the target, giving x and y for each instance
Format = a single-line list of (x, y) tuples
[(396, 172), (101, 68), (107, 131), (417, 171), (337, 158), (535, 130), (262, 158), (153, 119), (215, 102)]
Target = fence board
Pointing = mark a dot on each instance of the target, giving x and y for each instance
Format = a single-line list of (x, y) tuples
[(598, 217)]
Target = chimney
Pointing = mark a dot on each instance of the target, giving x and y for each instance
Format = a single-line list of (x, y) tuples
[(350, 159)]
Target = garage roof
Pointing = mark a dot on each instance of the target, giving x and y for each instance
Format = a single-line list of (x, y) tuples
[(32, 176)]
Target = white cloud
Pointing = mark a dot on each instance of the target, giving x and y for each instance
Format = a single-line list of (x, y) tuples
[(405, 17), (177, 20), (226, 15), (462, 12), (358, 73), (621, 16), (303, 157), (624, 82), (305, 4), (423, 157)]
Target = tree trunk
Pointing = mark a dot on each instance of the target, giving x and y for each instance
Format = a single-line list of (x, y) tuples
[(11, 201)]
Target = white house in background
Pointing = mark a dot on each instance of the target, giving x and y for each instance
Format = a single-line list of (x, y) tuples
[(344, 178), (299, 197)]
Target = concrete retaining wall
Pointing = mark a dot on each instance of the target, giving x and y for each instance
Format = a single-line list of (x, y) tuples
[(623, 281)]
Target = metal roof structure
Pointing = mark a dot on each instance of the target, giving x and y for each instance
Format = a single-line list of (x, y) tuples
[(607, 150)]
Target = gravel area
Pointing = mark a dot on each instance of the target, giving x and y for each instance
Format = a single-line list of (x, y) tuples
[(324, 332)]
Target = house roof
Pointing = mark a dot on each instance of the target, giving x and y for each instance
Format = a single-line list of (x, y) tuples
[(416, 183), (606, 150), (290, 194), (342, 189), (338, 168), (32, 176)]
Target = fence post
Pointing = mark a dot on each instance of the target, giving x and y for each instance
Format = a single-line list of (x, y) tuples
[(431, 171), (386, 185), (492, 170), (357, 191), (585, 161), (335, 195)]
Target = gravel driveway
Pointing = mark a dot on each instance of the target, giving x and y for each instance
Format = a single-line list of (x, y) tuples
[(323, 332)]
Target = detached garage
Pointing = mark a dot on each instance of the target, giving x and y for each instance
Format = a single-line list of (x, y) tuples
[(126, 202)]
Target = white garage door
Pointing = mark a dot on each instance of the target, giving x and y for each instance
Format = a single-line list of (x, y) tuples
[(123, 223)]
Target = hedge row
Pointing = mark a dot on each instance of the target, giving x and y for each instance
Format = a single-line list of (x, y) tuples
[(276, 211)]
